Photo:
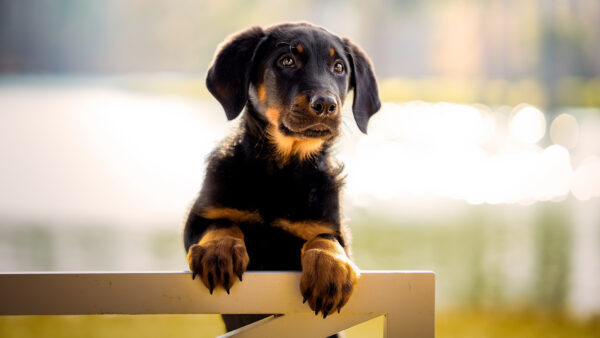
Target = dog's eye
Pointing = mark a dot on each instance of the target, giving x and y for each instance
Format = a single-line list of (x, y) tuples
[(338, 67), (287, 61)]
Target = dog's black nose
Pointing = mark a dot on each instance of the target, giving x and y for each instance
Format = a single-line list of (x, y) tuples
[(323, 103)]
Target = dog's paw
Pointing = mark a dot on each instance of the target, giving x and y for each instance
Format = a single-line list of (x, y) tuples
[(218, 261), (328, 277)]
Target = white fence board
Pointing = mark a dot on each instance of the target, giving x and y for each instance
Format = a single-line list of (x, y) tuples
[(405, 298)]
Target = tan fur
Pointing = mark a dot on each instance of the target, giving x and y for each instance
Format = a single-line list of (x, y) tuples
[(305, 149), (231, 214), (305, 229), (219, 257), (262, 93), (273, 116), (299, 48), (301, 101), (287, 146), (331, 52), (328, 275), (217, 234)]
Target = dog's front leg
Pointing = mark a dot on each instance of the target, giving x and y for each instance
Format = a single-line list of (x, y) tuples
[(219, 256), (328, 275)]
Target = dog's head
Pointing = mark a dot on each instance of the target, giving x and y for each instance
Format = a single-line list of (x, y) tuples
[(297, 77)]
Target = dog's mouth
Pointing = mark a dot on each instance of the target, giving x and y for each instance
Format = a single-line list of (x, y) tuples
[(317, 130)]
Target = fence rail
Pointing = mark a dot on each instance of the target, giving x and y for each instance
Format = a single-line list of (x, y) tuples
[(404, 298)]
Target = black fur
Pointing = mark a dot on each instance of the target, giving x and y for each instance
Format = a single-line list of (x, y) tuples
[(245, 172), (229, 75), (366, 98)]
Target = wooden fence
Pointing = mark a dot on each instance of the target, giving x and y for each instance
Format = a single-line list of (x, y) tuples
[(404, 298)]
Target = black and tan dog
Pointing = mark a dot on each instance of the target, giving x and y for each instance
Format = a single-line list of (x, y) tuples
[(271, 195)]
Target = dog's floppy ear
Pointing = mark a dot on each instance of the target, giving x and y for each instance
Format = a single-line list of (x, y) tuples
[(228, 76), (362, 80)]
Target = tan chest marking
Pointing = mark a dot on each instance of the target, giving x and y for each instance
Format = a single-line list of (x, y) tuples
[(305, 229), (231, 214)]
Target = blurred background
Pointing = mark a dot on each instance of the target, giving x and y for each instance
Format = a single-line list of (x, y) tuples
[(483, 164)]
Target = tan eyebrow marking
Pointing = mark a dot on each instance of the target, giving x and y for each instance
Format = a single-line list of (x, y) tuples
[(331, 52), (299, 48)]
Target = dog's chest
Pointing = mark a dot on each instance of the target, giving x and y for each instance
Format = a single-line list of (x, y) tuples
[(293, 192)]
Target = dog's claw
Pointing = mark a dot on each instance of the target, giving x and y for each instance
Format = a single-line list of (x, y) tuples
[(318, 305), (226, 281), (326, 309), (306, 295), (211, 283), (304, 300), (193, 275)]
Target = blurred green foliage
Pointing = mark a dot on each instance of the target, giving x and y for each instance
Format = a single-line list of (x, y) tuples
[(573, 92), (478, 254)]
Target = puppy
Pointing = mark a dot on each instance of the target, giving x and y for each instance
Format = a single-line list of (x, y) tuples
[(271, 194)]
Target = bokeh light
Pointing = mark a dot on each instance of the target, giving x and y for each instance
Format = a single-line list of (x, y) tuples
[(528, 124), (427, 151), (586, 179), (564, 130)]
